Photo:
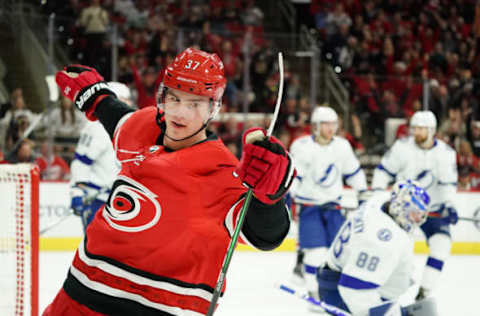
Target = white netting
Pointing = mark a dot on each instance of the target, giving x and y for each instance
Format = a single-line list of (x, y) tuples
[(18, 243)]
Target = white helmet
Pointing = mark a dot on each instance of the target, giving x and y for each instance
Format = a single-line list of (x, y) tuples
[(122, 91), (409, 197), (324, 114), (425, 119)]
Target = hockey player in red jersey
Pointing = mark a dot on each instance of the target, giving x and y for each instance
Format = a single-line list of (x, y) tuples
[(157, 246)]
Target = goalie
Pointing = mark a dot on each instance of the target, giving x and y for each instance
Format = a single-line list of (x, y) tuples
[(370, 263), (157, 246)]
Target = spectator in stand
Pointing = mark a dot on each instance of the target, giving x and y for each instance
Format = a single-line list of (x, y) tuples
[(147, 86), (355, 138), (464, 178), (453, 128), (15, 108), (94, 21), (289, 117), (439, 99), (17, 92), (9, 118), (337, 19), (468, 165), (16, 131), (23, 154), (64, 122), (390, 106), (473, 135), (52, 166), (403, 130), (285, 137), (230, 61), (230, 131)]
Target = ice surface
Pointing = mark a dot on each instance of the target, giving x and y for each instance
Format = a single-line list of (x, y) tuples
[(252, 276)]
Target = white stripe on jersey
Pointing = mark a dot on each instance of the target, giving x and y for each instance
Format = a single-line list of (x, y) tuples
[(231, 225), (113, 270), (102, 288), (117, 129)]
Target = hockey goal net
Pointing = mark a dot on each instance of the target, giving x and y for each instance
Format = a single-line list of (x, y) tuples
[(19, 185)]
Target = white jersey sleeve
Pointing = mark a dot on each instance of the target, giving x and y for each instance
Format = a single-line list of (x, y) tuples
[(447, 174), (351, 170), (94, 163), (389, 166), (300, 155)]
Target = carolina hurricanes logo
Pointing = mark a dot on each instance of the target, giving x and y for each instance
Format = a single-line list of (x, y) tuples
[(329, 177), (131, 207)]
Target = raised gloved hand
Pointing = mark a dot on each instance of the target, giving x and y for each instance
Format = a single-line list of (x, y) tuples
[(265, 166), (449, 215), (83, 85)]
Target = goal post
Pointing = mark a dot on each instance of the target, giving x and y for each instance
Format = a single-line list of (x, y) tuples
[(19, 239)]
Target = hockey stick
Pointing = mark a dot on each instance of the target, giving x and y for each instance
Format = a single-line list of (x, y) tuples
[(330, 309), (87, 201), (241, 216), (475, 219), (49, 227)]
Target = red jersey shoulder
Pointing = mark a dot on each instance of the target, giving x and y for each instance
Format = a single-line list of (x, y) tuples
[(137, 130), (208, 156)]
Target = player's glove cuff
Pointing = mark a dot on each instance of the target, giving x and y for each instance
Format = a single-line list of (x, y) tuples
[(83, 85)]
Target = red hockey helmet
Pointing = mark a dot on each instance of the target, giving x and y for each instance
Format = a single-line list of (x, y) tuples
[(196, 72)]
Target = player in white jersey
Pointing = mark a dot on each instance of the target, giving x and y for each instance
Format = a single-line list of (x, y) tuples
[(323, 161), (94, 166), (370, 262), (432, 163)]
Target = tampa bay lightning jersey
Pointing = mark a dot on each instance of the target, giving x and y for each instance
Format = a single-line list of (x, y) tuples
[(321, 170), (435, 169), (94, 164), (374, 255)]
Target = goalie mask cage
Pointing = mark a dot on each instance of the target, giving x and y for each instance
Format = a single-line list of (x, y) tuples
[(19, 246)]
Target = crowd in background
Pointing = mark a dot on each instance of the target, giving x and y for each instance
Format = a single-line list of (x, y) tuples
[(388, 53), (385, 52)]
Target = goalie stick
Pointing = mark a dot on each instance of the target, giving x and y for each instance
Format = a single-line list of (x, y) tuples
[(87, 201), (241, 216), (55, 224), (475, 219), (332, 310)]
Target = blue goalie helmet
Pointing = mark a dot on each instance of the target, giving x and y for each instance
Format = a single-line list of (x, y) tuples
[(409, 204)]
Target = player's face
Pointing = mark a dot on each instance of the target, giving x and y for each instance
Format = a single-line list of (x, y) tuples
[(327, 130), (420, 133), (417, 217), (185, 114)]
